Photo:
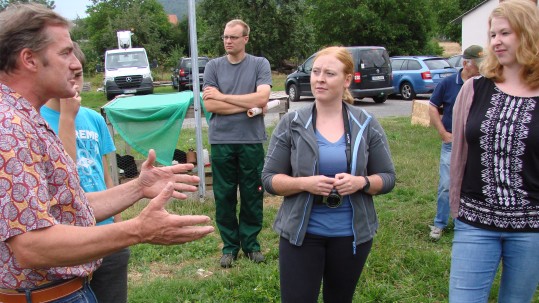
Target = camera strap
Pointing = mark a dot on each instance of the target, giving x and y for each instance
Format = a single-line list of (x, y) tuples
[(347, 133)]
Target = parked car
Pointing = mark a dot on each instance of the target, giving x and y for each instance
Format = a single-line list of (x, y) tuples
[(455, 61), (181, 75), (414, 75), (372, 75)]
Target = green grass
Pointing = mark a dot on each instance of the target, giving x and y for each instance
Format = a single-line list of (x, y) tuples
[(404, 265)]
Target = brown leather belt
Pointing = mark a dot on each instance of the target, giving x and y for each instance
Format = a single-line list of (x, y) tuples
[(47, 294)]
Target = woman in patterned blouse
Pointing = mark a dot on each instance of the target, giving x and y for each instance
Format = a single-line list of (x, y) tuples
[(494, 188)]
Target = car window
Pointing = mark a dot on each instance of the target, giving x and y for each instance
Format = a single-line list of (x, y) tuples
[(308, 65), (127, 59), (413, 65), (455, 61), (437, 63), (202, 62), (186, 63), (373, 58), (397, 64)]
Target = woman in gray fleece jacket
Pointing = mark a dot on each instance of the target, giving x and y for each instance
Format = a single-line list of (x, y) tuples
[(328, 147)]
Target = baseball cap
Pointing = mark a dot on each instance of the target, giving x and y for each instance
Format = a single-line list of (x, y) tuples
[(473, 52)]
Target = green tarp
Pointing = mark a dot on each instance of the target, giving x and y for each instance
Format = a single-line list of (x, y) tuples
[(151, 121)]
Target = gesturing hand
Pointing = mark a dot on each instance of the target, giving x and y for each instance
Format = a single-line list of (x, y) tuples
[(157, 226), (153, 179)]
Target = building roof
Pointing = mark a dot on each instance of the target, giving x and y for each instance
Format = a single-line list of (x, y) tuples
[(173, 19), (459, 18)]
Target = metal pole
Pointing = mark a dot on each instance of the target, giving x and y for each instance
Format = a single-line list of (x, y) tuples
[(196, 99)]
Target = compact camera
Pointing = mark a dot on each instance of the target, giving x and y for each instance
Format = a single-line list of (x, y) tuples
[(334, 199)]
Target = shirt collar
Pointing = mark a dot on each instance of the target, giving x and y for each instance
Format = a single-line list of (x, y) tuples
[(459, 77), (14, 99)]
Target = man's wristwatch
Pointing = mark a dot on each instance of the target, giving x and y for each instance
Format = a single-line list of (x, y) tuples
[(367, 184)]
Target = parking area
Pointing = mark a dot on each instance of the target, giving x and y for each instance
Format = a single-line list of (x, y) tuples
[(393, 107)]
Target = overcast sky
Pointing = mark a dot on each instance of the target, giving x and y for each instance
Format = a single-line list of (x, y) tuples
[(71, 8)]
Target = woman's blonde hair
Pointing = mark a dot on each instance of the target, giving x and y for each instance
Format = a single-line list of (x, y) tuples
[(343, 55), (523, 17)]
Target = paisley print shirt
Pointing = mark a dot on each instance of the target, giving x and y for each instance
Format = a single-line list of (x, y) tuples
[(39, 188)]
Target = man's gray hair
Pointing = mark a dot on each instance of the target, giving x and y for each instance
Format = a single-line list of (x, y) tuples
[(25, 26)]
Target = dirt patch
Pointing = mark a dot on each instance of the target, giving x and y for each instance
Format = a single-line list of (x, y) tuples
[(272, 201), (450, 48), (157, 270)]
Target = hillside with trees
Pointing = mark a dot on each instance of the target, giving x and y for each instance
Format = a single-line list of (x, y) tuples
[(281, 30)]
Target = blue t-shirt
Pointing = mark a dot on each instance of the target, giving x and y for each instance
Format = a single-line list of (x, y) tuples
[(444, 96), (93, 142), (325, 221)]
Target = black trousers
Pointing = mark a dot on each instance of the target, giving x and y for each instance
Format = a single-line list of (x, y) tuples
[(109, 281), (320, 259)]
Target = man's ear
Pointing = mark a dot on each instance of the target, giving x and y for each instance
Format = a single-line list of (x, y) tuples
[(28, 59)]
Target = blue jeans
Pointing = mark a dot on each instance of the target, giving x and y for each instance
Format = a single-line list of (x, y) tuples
[(442, 209), (475, 259)]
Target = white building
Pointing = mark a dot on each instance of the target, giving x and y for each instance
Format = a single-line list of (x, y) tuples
[(475, 23)]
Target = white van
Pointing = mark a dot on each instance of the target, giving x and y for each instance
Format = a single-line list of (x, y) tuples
[(127, 70)]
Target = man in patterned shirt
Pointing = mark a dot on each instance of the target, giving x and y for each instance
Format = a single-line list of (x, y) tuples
[(49, 244)]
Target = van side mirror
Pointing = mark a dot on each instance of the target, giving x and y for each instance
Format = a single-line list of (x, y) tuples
[(99, 68), (153, 64)]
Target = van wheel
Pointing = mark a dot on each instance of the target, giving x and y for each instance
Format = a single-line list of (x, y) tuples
[(293, 93), (380, 99), (110, 96), (407, 91)]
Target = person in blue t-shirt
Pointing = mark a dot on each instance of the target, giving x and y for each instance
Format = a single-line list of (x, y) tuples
[(443, 98), (88, 148)]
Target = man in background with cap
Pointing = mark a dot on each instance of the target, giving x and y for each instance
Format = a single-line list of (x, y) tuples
[(442, 100)]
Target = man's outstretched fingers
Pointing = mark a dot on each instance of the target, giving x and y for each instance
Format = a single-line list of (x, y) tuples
[(164, 196)]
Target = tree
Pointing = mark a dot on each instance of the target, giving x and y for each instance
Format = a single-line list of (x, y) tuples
[(278, 29), (146, 19), (447, 11), (4, 3), (397, 25)]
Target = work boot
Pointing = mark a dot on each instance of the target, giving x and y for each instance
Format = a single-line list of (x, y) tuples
[(227, 260), (255, 256)]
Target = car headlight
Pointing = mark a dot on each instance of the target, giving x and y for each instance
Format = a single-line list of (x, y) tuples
[(107, 79)]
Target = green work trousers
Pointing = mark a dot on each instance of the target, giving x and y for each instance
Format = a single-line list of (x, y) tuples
[(236, 165)]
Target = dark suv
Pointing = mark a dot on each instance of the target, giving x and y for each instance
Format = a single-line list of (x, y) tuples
[(372, 75), (181, 75)]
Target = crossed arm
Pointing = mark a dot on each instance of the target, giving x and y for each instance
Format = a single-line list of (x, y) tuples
[(219, 103)]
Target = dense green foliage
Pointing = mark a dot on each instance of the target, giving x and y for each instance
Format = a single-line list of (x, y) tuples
[(281, 30), (278, 29), (383, 22), (146, 19)]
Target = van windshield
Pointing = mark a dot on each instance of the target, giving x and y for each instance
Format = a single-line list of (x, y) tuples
[(374, 58), (127, 59)]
